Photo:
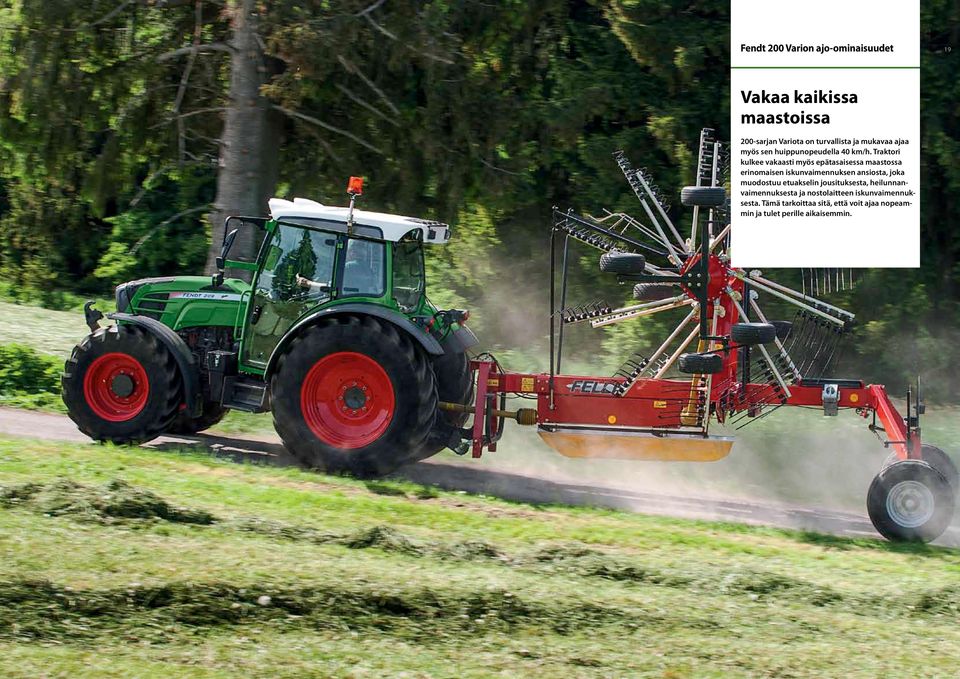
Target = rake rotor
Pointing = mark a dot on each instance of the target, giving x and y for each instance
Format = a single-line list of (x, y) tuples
[(672, 278)]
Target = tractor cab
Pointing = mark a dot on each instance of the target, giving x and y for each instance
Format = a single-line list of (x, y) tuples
[(316, 257)]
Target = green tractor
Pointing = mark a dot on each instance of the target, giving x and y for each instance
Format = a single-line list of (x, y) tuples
[(334, 335)]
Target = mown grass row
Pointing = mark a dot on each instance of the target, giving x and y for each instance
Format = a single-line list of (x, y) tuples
[(117, 503), (126, 562)]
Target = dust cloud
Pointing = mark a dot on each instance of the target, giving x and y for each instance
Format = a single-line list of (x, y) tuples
[(792, 459)]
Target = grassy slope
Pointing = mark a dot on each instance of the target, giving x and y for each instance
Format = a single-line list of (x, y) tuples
[(46, 330), (381, 579)]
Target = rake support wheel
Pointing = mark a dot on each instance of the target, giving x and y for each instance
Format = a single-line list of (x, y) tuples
[(700, 364), (703, 196), (654, 292), (910, 501), (752, 333), (622, 262), (354, 395), (937, 459)]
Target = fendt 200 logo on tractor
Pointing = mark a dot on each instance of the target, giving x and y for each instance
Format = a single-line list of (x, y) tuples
[(215, 296)]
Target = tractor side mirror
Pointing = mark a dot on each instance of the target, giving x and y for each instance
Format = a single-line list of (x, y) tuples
[(227, 244), (221, 260)]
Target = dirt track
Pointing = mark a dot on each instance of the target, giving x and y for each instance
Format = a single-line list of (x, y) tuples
[(511, 486)]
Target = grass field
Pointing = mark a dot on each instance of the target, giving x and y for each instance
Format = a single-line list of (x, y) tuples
[(46, 330), (131, 562)]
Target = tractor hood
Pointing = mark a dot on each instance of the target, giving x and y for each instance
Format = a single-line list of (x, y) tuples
[(393, 227), (159, 290)]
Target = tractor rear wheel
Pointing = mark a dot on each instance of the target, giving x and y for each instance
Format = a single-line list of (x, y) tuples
[(910, 501), (354, 395), (184, 424), (121, 384), (454, 385)]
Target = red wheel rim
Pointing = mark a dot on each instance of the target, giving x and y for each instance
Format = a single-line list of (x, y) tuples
[(347, 400), (116, 387)]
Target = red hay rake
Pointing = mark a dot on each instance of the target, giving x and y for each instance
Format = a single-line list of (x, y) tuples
[(725, 360)]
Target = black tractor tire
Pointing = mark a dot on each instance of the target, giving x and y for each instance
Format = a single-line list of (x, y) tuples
[(937, 459), (328, 377), (211, 415), (622, 262), (700, 364), (703, 196), (122, 385), (654, 292), (746, 334), (783, 329), (910, 501), (454, 385)]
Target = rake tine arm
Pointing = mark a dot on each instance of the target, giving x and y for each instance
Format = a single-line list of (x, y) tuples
[(761, 284), (616, 317), (663, 214), (630, 221), (719, 238), (763, 349), (673, 256), (776, 340), (756, 277), (673, 335), (571, 219), (676, 354)]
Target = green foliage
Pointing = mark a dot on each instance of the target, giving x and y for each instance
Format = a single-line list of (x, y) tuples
[(24, 370), (148, 240), (29, 379)]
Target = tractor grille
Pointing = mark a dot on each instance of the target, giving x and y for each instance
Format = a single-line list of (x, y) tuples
[(153, 305)]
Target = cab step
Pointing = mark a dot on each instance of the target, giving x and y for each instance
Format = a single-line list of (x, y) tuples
[(240, 393)]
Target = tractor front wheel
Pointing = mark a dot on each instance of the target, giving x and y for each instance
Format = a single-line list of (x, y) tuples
[(121, 384), (910, 501), (354, 395)]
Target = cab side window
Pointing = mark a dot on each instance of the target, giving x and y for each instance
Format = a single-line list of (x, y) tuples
[(364, 268), (299, 266), (409, 280)]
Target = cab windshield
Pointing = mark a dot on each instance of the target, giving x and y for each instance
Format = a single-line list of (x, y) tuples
[(408, 274)]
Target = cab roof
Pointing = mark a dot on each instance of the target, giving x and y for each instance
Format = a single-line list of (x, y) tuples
[(392, 227)]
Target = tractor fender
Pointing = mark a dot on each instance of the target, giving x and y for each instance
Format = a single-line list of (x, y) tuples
[(428, 342), (458, 341), (186, 363)]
